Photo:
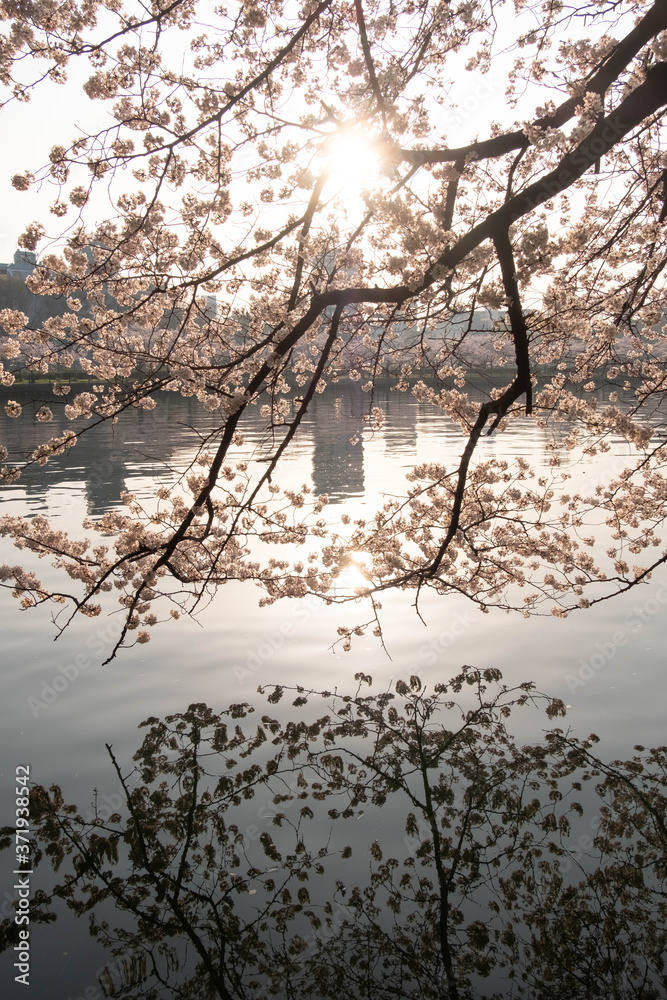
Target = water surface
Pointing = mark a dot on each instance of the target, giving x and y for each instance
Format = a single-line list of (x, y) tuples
[(233, 646)]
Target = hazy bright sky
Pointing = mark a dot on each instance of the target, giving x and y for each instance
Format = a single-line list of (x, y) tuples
[(57, 113), (50, 118)]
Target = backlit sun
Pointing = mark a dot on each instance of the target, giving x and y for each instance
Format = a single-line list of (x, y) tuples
[(352, 156)]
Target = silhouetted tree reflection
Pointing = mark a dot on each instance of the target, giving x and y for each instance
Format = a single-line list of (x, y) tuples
[(480, 886)]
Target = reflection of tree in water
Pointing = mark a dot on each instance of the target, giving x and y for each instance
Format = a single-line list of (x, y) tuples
[(478, 888)]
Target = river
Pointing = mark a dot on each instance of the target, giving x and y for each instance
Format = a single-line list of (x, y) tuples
[(59, 705)]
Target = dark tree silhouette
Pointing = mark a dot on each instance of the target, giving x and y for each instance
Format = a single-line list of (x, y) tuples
[(478, 886)]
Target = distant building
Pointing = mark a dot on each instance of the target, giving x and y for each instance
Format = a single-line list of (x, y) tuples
[(25, 262)]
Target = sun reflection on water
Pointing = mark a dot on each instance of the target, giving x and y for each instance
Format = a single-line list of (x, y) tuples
[(355, 574)]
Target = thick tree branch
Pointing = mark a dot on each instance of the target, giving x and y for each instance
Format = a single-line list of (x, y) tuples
[(503, 247), (307, 222), (653, 22), (368, 58), (649, 97)]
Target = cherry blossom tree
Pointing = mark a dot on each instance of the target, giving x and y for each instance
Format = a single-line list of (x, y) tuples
[(225, 171)]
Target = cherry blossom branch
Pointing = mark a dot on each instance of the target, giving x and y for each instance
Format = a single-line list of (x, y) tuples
[(307, 221), (517, 319), (653, 22), (368, 59)]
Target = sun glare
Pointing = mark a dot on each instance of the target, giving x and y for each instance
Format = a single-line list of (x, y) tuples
[(352, 156), (355, 574)]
